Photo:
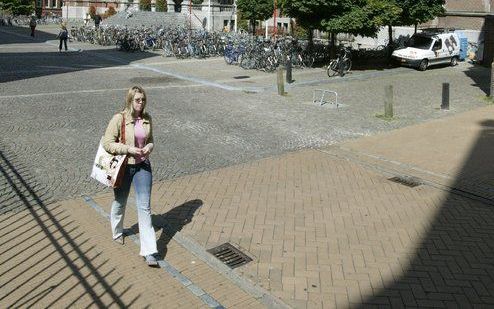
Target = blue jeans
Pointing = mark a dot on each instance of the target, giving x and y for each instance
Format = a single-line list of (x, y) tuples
[(142, 177)]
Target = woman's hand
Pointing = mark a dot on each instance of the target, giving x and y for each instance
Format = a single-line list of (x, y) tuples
[(134, 151), (146, 151)]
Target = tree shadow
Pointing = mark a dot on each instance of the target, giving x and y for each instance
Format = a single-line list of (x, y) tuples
[(480, 76), (453, 266), (61, 274), (19, 65)]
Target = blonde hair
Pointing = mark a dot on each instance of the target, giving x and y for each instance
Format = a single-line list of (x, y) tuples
[(130, 97)]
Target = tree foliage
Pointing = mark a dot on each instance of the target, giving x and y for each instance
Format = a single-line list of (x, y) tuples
[(92, 11), (17, 7), (109, 12), (361, 17), (161, 6), (253, 10), (420, 11), (145, 5)]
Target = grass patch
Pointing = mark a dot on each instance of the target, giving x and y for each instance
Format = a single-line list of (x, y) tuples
[(383, 117), (488, 100)]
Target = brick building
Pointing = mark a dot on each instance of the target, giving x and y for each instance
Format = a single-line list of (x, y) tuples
[(476, 15)]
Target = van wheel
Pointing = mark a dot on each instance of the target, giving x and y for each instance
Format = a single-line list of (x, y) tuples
[(423, 65), (454, 61)]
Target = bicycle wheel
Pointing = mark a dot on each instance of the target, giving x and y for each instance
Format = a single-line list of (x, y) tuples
[(228, 58), (332, 68), (308, 61), (347, 65)]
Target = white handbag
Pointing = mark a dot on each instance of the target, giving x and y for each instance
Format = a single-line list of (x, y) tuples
[(109, 169)]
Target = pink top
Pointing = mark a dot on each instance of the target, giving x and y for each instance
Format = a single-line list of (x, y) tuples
[(140, 138)]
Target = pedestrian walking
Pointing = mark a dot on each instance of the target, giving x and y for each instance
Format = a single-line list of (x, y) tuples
[(97, 20), (32, 24), (63, 35), (138, 146)]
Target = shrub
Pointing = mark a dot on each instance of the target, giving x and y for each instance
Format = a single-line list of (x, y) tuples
[(109, 12), (161, 6), (145, 5), (92, 11)]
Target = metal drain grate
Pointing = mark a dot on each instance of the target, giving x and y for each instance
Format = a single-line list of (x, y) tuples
[(407, 181), (230, 255)]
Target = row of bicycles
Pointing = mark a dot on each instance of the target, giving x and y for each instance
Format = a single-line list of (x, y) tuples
[(267, 55), (23, 20), (176, 42), (241, 49)]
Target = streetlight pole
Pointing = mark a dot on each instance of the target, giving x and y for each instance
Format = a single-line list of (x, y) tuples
[(275, 30), (190, 18), (210, 16), (235, 10)]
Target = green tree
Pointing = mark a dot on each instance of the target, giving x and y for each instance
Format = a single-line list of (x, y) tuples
[(364, 17), (254, 10), (416, 12), (145, 5), (315, 14), (18, 7), (161, 6), (92, 11)]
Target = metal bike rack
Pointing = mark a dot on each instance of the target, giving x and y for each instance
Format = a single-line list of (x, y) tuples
[(322, 97)]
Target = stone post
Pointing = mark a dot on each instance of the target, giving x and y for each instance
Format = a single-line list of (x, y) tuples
[(280, 82), (445, 102), (388, 101), (491, 90)]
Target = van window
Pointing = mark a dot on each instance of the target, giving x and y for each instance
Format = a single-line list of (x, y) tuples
[(420, 42), (438, 45)]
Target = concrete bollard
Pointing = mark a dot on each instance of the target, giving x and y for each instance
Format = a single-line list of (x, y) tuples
[(388, 101), (289, 71), (445, 101), (280, 82)]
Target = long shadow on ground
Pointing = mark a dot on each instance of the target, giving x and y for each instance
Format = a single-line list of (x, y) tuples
[(453, 266), (25, 63)]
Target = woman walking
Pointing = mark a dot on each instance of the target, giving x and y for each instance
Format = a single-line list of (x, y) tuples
[(63, 35), (32, 24), (138, 146)]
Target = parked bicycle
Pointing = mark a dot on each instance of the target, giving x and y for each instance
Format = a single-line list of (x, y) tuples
[(233, 54), (340, 65)]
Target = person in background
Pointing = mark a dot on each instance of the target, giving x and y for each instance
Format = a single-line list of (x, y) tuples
[(97, 20), (63, 35), (32, 24), (138, 146)]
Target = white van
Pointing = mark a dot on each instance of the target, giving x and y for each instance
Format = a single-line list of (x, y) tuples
[(430, 47)]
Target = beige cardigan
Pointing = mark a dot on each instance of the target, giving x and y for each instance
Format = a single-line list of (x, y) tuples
[(112, 135)]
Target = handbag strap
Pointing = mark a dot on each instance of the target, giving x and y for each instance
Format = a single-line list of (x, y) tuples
[(122, 129)]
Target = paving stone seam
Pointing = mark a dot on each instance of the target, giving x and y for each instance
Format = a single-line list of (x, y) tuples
[(90, 91), (186, 282), (407, 170), (197, 250)]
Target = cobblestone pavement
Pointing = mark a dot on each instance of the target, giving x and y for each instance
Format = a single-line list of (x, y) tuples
[(324, 226), (63, 103)]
